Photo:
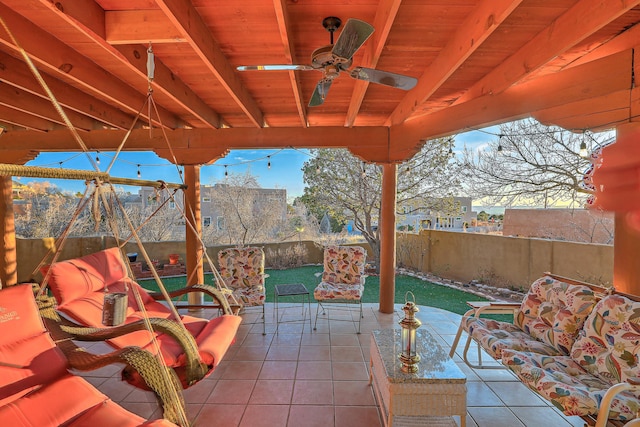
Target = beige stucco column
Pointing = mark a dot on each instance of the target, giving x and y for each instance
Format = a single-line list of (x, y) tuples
[(195, 267), (8, 265), (388, 237), (626, 245)]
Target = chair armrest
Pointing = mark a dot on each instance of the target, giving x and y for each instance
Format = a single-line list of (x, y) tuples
[(491, 307), (63, 331), (612, 392), (137, 361), (217, 295)]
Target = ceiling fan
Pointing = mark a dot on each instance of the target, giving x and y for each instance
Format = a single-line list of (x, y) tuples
[(334, 58)]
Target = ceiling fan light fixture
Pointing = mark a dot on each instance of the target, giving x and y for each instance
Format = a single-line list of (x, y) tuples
[(334, 58)]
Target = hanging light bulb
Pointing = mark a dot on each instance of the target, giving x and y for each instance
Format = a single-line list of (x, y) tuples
[(583, 145), (139, 173), (583, 149), (364, 170), (268, 162), (408, 169), (500, 142), (451, 154), (226, 172), (97, 157), (318, 170)]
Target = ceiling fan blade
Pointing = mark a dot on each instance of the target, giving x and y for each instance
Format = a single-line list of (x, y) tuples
[(320, 92), (275, 67), (354, 34), (386, 78)]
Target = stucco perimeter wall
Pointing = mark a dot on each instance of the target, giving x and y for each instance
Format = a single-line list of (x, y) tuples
[(32, 251), (503, 261), (495, 260)]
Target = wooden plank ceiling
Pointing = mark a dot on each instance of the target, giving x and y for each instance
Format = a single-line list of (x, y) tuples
[(478, 62)]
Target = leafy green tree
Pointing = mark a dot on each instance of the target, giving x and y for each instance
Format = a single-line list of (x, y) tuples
[(347, 188), (483, 216)]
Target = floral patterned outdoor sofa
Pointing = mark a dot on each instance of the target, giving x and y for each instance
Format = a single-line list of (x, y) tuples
[(605, 353), (547, 321)]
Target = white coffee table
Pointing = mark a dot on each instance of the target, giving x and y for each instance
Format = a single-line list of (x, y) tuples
[(429, 397)]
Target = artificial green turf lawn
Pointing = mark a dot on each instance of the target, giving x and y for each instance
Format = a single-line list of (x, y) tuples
[(426, 293)]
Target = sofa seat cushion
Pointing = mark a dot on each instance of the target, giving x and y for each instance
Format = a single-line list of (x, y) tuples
[(495, 336), (554, 311), (563, 382), (608, 346), (338, 291)]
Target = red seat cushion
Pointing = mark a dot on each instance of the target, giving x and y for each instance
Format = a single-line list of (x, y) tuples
[(25, 344), (79, 287)]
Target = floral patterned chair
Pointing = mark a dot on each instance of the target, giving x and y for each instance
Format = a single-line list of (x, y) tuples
[(601, 369), (546, 322), (243, 272), (342, 279)]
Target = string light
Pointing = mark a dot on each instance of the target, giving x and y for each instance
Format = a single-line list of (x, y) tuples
[(97, 157), (408, 169), (451, 148), (583, 146), (226, 172), (139, 173), (364, 170), (500, 142), (268, 162), (318, 170)]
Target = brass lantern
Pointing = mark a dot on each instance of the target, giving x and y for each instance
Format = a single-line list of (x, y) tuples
[(409, 355)]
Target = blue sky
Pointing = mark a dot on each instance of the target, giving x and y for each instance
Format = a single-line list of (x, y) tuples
[(285, 171)]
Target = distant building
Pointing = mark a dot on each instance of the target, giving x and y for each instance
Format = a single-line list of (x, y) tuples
[(445, 213), (575, 225), (273, 199)]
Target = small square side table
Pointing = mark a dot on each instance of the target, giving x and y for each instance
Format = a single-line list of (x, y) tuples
[(290, 290)]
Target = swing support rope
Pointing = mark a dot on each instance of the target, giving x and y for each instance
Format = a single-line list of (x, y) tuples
[(13, 172)]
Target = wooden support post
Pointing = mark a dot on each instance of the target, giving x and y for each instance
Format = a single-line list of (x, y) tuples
[(626, 245), (193, 245), (388, 238), (8, 258)]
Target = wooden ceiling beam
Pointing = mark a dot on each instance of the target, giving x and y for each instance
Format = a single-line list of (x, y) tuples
[(186, 19), (480, 24), (582, 83), (135, 57), (140, 27), (28, 103), (627, 40), (18, 157), (284, 27), (24, 120), (16, 73), (64, 63), (373, 141), (385, 15), (595, 115), (580, 21)]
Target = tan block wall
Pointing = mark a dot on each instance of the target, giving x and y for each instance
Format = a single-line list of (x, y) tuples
[(503, 261), (32, 251), (496, 260)]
